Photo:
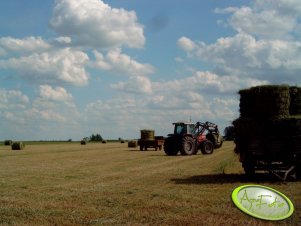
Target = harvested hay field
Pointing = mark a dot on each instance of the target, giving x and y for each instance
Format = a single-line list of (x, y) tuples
[(96, 184)]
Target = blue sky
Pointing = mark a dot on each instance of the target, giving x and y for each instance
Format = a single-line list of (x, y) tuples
[(70, 68)]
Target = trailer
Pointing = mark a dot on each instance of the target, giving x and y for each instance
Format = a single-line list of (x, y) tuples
[(156, 143), (268, 131), (281, 158)]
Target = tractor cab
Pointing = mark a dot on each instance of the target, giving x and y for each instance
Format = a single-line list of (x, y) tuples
[(182, 128)]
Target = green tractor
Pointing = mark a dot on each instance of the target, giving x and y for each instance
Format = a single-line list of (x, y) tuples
[(188, 138)]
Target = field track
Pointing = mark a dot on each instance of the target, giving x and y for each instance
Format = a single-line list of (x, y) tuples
[(111, 184)]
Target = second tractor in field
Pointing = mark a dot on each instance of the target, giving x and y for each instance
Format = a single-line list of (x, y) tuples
[(188, 138)]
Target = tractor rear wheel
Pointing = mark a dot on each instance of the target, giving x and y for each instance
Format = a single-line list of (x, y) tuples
[(169, 148), (207, 147), (216, 139), (219, 143), (188, 146)]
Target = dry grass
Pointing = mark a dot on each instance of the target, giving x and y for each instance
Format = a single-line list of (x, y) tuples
[(96, 184)]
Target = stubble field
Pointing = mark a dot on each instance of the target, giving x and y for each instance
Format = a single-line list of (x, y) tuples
[(111, 184)]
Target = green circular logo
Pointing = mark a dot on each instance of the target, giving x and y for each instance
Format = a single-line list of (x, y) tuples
[(262, 202)]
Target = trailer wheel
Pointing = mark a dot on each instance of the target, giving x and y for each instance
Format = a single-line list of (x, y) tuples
[(207, 147)]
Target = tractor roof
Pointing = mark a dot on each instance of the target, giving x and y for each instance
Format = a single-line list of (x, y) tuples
[(182, 122)]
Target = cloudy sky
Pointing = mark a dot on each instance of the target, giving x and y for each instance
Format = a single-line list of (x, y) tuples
[(70, 68)]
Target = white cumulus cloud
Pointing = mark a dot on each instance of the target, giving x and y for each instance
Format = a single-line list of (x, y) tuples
[(118, 62), (25, 45), (48, 115), (61, 41), (268, 19), (10, 99), (95, 24), (135, 84), (207, 82), (64, 65), (243, 55), (186, 44), (55, 94), (264, 24)]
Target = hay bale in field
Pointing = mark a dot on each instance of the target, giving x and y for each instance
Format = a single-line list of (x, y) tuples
[(132, 144), (262, 102), (295, 103), (83, 142), (104, 142), (273, 133), (8, 142), (147, 134), (18, 146)]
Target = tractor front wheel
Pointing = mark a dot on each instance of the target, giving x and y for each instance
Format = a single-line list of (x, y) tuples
[(188, 146), (207, 147), (169, 147)]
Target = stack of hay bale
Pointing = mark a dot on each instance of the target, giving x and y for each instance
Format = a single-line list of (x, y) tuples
[(147, 134), (270, 120), (147, 137)]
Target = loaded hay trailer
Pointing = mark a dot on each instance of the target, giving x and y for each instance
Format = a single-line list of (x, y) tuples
[(268, 131), (149, 140)]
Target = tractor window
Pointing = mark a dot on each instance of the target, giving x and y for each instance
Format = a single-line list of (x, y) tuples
[(180, 129), (190, 129)]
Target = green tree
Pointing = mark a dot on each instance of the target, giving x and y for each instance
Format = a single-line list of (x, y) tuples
[(229, 133), (96, 137)]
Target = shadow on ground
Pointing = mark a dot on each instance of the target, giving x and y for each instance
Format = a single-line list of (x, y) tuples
[(227, 179)]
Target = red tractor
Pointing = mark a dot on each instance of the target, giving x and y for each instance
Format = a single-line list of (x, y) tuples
[(188, 138)]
